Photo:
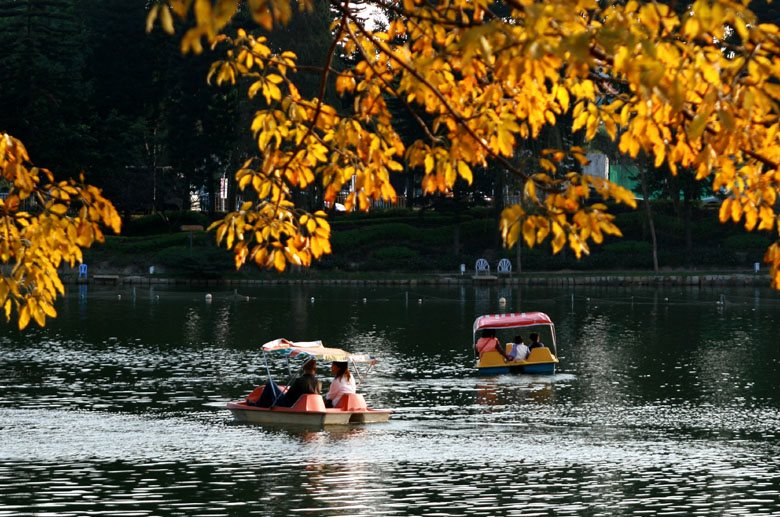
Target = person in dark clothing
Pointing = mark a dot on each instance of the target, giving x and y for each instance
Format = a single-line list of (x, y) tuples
[(535, 343), (270, 396), (306, 383)]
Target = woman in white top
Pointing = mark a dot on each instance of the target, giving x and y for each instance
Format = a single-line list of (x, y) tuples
[(343, 382), (519, 350)]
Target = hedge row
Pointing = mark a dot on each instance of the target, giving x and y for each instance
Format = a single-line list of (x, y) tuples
[(406, 240)]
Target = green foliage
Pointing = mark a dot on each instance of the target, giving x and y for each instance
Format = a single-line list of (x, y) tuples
[(623, 247), (396, 254), (478, 234), (196, 263), (164, 222), (350, 240), (747, 241), (44, 85)]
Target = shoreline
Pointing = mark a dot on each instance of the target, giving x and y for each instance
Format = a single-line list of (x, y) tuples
[(561, 279)]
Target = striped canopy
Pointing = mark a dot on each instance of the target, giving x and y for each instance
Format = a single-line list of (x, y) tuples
[(513, 320), (316, 349)]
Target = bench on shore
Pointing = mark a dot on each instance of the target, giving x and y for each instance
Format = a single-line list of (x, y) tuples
[(504, 267)]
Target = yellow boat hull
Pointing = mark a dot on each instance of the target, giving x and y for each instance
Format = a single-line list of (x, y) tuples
[(540, 360)]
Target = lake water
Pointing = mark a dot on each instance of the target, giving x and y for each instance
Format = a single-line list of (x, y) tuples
[(666, 402)]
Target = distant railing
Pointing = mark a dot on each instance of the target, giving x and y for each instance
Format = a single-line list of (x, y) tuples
[(400, 202)]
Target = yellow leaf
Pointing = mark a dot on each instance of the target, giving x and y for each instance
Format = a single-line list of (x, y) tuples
[(529, 233), (751, 218), (428, 163), (166, 19), (559, 237), (697, 126), (48, 309), (465, 172), (345, 83), (279, 261), (151, 17), (38, 316), (725, 210), (547, 165), (316, 248), (505, 142), (24, 316), (58, 209), (736, 210)]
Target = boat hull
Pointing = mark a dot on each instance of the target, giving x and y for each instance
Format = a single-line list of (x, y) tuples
[(310, 410), (370, 416), (545, 368), (539, 361), (288, 416)]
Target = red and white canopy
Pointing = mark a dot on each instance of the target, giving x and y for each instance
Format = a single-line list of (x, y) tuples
[(513, 320)]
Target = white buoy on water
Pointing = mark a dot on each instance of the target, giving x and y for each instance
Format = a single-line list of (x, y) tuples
[(502, 301), (208, 297)]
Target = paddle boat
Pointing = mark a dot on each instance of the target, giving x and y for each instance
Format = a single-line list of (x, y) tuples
[(309, 409), (540, 360)]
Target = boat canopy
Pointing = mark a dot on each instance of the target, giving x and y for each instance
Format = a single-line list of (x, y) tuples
[(315, 349), (513, 320)]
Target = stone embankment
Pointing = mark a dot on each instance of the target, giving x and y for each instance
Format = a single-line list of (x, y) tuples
[(552, 280)]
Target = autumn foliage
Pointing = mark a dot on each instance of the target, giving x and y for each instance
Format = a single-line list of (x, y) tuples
[(63, 217), (694, 88)]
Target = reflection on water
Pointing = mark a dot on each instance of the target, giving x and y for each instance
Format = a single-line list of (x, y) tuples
[(666, 402)]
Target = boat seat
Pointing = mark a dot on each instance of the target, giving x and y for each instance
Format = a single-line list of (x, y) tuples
[(253, 397), (352, 402), (256, 397), (309, 402), (540, 355), (491, 358)]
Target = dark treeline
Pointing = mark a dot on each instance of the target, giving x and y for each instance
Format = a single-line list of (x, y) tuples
[(88, 90)]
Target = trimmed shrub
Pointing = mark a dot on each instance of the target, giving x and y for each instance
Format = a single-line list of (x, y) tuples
[(163, 222), (197, 263), (747, 241), (396, 253)]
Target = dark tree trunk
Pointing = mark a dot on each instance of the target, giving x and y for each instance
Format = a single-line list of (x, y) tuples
[(649, 218)]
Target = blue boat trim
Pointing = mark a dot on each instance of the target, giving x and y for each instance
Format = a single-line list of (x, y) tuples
[(493, 371), (528, 368)]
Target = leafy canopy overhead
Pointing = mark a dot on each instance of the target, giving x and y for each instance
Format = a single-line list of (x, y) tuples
[(696, 89), (63, 218)]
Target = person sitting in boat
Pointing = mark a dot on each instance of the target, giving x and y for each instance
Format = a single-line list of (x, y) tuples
[(489, 342), (343, 383), (519, 350), (535, 343), (271, 395), (306, 383)]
